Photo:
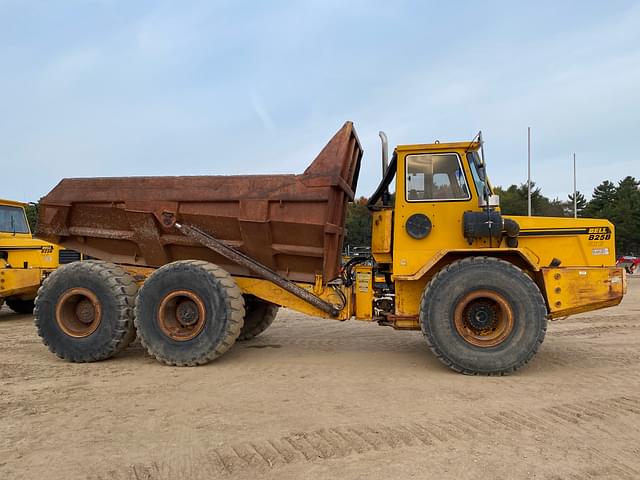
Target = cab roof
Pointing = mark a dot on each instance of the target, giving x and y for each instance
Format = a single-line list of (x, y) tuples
[(438, 147), (13, 203)]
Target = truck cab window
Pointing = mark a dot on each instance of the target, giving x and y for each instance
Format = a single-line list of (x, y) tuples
[(12, 220), (434, 177)]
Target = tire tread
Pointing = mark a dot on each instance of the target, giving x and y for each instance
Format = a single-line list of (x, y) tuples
[(124, 289), (500, 265), (234, 304), (253, 327)]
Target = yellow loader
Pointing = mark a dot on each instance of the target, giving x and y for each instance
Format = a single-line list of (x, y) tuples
[(24, 260)]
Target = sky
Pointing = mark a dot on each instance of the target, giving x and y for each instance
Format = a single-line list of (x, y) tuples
[(121, 88)]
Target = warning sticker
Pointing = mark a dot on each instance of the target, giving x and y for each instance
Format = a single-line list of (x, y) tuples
[(363, 280)]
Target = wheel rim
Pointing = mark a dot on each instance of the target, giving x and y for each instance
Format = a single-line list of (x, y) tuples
[(78, 312), (181, 315), (484, 318)]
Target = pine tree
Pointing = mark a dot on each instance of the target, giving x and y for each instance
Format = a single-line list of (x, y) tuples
[(625, 215), (581, 203), (602, 201)]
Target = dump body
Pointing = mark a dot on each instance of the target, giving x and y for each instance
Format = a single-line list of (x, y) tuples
[(293, 224)]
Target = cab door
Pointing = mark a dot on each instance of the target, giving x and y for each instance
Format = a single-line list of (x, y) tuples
[(433, 190)]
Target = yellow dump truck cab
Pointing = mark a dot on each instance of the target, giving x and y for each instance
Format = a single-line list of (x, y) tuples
[(444, 211), (24, 261)]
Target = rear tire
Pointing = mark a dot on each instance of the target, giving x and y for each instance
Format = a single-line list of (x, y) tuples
[(259, 316), (20, 306), (189, 312), (84, 310), (483, 316)]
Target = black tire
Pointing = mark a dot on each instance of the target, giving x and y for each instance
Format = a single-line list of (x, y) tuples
[(212, 313), (20, 306), (56, 307), (500, 340), (258, 317), (131, 333)]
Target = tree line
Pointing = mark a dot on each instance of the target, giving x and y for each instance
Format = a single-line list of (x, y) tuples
[(619, 203)]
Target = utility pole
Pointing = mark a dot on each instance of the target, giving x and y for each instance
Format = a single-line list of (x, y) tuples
[(575, 197), (529, 171)]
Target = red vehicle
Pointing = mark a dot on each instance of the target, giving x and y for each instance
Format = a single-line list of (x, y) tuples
[(629, 263)]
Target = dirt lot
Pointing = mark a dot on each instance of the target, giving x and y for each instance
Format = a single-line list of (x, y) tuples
[(313, 398)]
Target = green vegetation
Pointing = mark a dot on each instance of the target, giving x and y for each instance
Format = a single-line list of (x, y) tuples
[(513, 201), (621, 205), (32, 216), (358, 224)]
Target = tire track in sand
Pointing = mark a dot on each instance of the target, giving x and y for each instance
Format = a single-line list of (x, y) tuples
[(595, 330), (579, 418)]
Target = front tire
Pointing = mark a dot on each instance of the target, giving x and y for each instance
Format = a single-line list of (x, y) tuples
[(189, 312), (483, 316)]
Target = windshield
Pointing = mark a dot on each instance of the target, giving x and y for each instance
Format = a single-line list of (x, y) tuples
[(12, 220), (435, 177), (481, 185)]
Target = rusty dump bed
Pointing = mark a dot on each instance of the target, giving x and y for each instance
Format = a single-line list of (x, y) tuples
[(293, 224)]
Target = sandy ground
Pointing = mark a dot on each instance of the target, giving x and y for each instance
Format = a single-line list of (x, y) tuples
[(314, 398)]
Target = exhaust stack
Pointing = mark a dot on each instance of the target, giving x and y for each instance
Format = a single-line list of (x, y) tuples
[(385, 152)]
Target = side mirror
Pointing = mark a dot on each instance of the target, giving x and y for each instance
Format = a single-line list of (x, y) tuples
[(493, 201), (478, 164), (482, 175)]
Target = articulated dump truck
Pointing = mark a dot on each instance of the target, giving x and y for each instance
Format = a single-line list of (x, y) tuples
[(192, 264)]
